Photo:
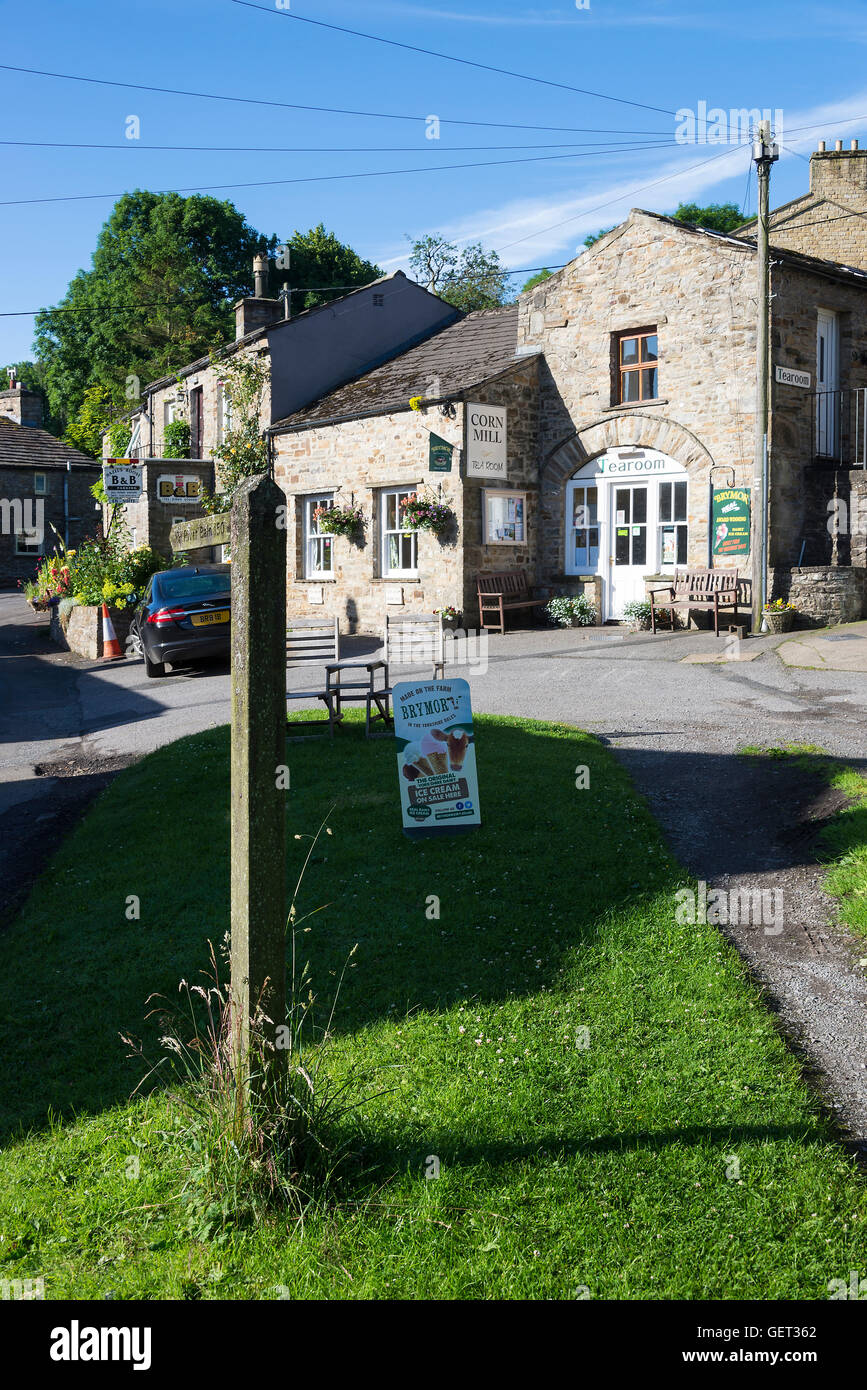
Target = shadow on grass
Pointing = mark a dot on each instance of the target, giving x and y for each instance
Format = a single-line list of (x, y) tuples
[(486, 917)]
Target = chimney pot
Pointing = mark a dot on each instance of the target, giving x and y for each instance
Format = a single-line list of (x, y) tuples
[(838, 146), (821, 147), (854, 145), (260, 276)]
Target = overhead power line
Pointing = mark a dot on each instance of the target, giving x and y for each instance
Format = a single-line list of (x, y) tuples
[(332, 178), (451, 58), (432, 147), (600, 207), (298, 106)]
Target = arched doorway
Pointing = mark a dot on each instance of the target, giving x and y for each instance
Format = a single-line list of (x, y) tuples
[(627, 515)]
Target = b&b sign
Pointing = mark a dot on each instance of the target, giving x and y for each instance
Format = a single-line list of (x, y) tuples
[(122, 480)]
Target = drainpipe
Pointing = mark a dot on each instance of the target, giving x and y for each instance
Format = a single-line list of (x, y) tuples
[(66, 504)]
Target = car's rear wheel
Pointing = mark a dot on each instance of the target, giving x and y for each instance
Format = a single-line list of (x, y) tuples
[(154, 668)]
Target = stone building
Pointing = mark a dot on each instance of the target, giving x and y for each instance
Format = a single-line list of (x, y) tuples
[(831, 220), (307, 355), (43, 484), (628, 385)]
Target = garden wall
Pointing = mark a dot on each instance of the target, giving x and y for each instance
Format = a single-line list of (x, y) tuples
[(80, 629)]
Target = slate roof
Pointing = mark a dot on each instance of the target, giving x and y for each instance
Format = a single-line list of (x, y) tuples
[(465, 354), (24, 447)]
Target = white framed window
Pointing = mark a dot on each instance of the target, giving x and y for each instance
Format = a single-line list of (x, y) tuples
[(27, 543), (504, 517), (672, 524), (318, 545), (399, 547), (170, 412), (584, 530), (39, 483)]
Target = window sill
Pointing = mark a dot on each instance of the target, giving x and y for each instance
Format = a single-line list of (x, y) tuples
[(316, 579), (634, 405), (396, 579)]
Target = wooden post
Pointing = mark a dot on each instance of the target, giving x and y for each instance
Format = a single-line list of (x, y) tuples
[(258, 848)]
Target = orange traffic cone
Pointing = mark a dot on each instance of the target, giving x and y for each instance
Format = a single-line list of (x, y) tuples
[(110, 645)]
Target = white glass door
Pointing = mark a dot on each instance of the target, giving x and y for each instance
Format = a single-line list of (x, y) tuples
[(827, 384), (628, 564)]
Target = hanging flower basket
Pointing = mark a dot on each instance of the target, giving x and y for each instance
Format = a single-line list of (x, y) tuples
[(338, 521), (423, 514)]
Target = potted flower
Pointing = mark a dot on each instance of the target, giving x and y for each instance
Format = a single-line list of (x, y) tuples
[(779, 615), (338, 521), (424, 514), (637, 615), (571, 610), (451, 616)]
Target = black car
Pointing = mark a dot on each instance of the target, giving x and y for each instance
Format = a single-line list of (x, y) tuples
[(184, 615)]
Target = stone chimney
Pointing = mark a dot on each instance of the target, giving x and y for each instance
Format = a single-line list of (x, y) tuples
[(22, 406), (256, 311), (840, 174)]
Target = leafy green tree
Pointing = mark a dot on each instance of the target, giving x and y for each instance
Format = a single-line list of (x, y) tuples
[(95, 414), (717, 217), (243, 452), (470, 279), (319, 259), (538, 279), (165, 272)]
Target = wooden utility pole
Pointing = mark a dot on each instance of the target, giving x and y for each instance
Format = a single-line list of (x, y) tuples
[(258, 847), (765, 153)]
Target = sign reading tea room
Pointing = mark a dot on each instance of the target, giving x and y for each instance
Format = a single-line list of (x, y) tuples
[(486, 441)]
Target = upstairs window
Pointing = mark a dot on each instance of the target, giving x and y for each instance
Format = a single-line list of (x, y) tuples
[(637, 366), (318, 545)]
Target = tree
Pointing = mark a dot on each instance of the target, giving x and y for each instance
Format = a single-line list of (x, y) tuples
[(165, 272), (319, 259), (538, 279), (470, 279), (717, 217), (243, 452)]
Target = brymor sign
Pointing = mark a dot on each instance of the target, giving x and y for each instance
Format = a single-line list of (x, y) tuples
[(486, 441), (436, 759)]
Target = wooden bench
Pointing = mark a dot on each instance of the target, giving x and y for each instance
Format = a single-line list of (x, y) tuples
[(501, 593), (713, 590), (313, 642)]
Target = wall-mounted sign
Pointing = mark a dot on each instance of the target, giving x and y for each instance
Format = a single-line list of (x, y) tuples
[(787, 376), (316, 594), (731, 521), (486, 441), (122, 480), (436, 758), (204, 530), (440, 455), (179, 487), (394, 594)]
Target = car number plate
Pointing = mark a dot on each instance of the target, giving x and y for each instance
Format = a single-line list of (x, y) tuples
[(204, 619)]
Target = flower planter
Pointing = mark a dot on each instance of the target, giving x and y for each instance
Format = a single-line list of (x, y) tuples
[(780, 619)]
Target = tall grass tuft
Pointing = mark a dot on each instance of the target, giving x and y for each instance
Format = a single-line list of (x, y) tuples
[(258, 1130)]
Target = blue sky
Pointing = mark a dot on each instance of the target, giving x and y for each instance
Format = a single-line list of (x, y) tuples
[(801, 58)]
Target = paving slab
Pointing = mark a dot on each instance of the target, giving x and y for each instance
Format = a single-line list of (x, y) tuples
[(842, 648)]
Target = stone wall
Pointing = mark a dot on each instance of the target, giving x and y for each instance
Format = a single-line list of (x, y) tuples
[(823, 594), (82, 519), (80, 629), (816, 224), (355, 460), (150, 519)]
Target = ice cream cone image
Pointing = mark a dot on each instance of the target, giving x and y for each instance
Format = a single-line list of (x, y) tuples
[(457, 746), (425, 767), (434, 750)]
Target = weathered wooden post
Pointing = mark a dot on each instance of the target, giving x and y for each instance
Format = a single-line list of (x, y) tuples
[(258, 849)]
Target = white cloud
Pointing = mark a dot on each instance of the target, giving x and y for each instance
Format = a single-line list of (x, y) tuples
[(529, 231)]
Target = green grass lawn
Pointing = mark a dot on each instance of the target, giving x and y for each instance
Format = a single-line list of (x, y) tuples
[(678, 1155)]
